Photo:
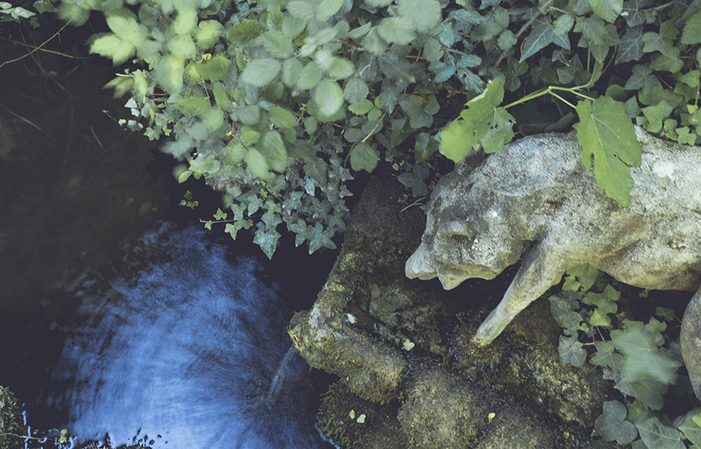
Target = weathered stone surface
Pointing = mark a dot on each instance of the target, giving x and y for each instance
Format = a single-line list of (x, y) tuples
[(690, 339), (442, 391), (535, 202)]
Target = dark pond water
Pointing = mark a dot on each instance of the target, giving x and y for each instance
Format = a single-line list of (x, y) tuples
[(112, 322)]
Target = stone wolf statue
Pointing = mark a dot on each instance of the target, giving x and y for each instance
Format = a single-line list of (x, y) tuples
[(535, 202)]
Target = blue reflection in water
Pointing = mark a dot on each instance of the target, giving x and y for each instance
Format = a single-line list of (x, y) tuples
[(190, 352)]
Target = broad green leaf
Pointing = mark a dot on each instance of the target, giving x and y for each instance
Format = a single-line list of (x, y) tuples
[(355, 91), (506, 40), (373, 43), (691, 34), (186, 21), (608, 10), (379, 3), (606, 132), (248, 115), (362, 107), (257, 164), (207, 34), (272, 147), (112, 46), (643, 359), (301, 10), (563, 24), (217, 68), (571, 351), (396, 30), (170, 73), (327, 8), (340, 68), (424, 14), (245, 32), (659, 436), (282, 118), (293, 26), (277, 44), (291, 71), (310, 76), (692, 431), (363, 157), (260, 72), (328, 97), (483, 121), (214, 119), (612, 424)]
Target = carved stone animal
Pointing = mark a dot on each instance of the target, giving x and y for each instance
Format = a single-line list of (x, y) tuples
[(535, 202)]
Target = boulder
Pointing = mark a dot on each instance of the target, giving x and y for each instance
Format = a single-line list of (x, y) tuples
[(535, 202), (690, 339)]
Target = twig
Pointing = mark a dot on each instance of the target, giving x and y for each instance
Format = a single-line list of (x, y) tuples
[(25, 120), (36, 48)]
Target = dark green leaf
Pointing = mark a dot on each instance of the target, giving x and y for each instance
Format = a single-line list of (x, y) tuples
[(692, 431), (662, 42), (608, 10), (562, 309), (632, 10), (631, 46), (612, 424), (642, 79), (606, 356), (217, 68), (245, 32), (363, 157), (691, 34), (541, 36), (260, 72), (425, 146)]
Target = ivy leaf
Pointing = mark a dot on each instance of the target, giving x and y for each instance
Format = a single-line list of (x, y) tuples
[(632, 10), (415, 180), (260, 72), (424, 147), (363, 157), (606, 355), (606, 132), (662, 42), (642, 79), (44, 6), (420, 112), (631, 46), (562, 309), (691, 34), (608, 10), (586, 274), (657, 435), (329, 97), (483, 121), (319, 239), (233, 228), (656, 114), (571, 351), (612, 424), (540, 37), (396, 30), (267, 240), (643, 359)]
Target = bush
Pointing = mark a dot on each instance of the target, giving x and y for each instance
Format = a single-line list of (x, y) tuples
[(276, 103)]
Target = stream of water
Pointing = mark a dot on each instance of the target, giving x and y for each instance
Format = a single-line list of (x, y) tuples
[(186, 349)]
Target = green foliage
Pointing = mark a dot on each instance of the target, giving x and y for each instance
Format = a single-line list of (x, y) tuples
[(639, 357), (278, 102)]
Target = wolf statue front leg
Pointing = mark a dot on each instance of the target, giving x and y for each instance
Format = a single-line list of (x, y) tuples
[(542, 267)]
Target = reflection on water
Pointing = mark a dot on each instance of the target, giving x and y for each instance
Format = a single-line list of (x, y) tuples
[(190, 352)]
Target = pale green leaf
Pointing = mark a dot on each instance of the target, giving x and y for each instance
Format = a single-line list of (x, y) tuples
[(277, 44), (662, 42), (300, 10), (216, 68), (291, 70), (562, 309), (363, 157), (328, 97), (424, 14), (257, 164), (186, 21), (606, 132), (267, 240), (483, 121), (355, 91), (692, 431), (182, 46), (272, 147), (340, 68), (379, 3), (658, 435), (282, 118), (207, 34), (563, 24), (643, 359), (608, 10), (656, 114), (214, 119), (293, 26), (170, 73), (310, 76), (260, 72), (124, 25), (112, 46), (327, 8), (362, 107), (396, 30), (373, 43), (571, 351)]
